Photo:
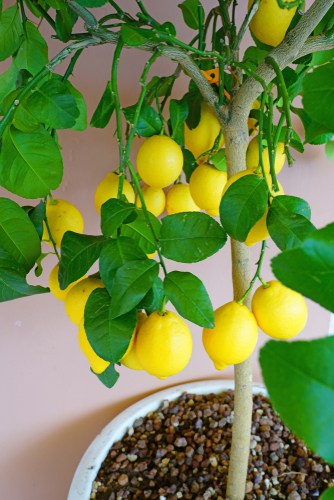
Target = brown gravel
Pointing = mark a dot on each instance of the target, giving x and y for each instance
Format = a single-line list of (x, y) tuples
[(182, 451)]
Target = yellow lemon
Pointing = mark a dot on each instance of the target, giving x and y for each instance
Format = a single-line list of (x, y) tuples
[(159, 161), (206, 187), (108, 188), (270, 22), (62, 216), (280, 312), (97, 364), (76, 298), (252, 156), (202, 138), (234, 336), (164, 344), (179, 199), (130, 358), (155, 200), (54, 284)]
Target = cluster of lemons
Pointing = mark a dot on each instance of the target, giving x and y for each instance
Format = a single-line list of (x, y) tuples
[(161, 344)]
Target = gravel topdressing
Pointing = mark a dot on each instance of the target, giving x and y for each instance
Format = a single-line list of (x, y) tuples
[(182, 451)]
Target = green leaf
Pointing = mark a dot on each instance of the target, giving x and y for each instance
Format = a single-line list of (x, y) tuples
[(33, 53), (54, 105), (92, 3), (189, 163), (65, 20), (178, 111), (135, 36), (254, 56), (322, 57), (288, 221), (169, 28), (108, 337), (104, 110), (81, 120), (140, 231), (110, 376), (219, 160), (114, 213), (319, 88), (31, 164), (132, 282), (78, 254), (330, 150), (315, 133), (242, 205), (13, 285), (190, 237), (154, 298), (194, 100), (190, 13), (328, 494), (300, 380), (159, 87), (149, 122), (7, 83), (115, 253), (189, 297), (18, 235), (11, 32), (37, 216), (309, 269)]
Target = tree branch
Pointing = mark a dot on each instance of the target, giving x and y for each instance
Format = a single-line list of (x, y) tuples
[(292, 47), (316, 43)]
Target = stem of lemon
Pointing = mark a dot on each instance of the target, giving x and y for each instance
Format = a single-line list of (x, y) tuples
[(256, 275)]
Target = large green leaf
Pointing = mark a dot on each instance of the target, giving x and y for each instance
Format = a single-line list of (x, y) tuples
[(31, 164), (78, 254), (18, 236), (300, 380), (189, 297), (13, 285), (141, 232), (243, 204), (33, 53), (190, 13), (286, 222), (7, 83), (54, 105), (318, 94), (131, 283), (190, 236), (115, 254), (114, 213), (92, 3), (11, 32), (109, 337), (104, 110), (309, 269)]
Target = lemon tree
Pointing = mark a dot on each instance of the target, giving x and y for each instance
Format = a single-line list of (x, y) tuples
[(198, 166)]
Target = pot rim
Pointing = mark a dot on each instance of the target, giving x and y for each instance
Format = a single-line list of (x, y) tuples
[(97, 451)]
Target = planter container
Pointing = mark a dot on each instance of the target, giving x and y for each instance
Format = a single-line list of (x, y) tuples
[(114, 431)]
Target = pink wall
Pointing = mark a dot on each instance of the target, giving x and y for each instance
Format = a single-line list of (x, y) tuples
[(51, 404)]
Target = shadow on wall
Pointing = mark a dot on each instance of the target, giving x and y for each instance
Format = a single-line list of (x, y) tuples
[(57, 454)]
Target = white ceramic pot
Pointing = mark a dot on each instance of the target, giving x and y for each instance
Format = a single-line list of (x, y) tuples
[(96, 453)]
